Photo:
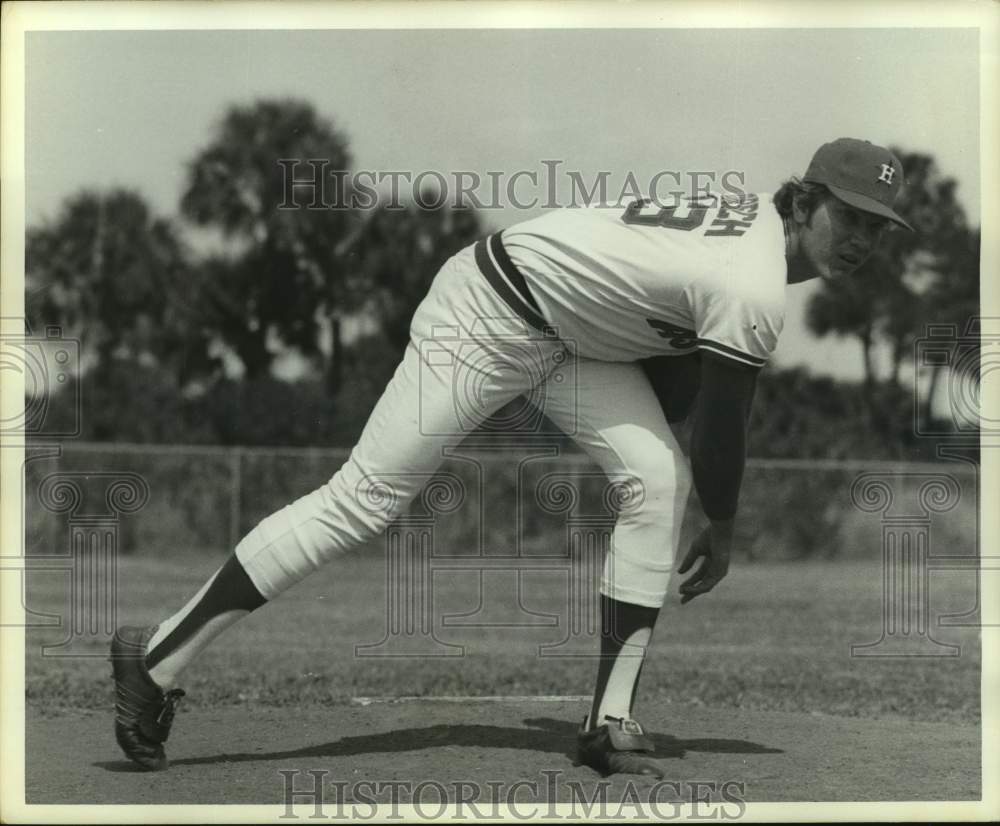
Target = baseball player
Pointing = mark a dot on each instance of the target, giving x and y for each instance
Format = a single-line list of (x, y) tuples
[(665, 312)]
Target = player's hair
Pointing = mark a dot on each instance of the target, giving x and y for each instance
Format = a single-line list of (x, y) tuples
[(812, 196)]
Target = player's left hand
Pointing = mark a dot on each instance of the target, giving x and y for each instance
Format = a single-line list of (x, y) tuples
[(714, 546)]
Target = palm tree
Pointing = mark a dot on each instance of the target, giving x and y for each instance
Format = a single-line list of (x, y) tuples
[(110, 273), (953, 298), (396, 255), (283, 271)]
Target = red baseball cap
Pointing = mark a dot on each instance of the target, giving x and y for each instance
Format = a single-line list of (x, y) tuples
[(860, 174)]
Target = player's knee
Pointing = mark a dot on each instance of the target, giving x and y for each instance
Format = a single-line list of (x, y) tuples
[(661, 485), (363, 505)]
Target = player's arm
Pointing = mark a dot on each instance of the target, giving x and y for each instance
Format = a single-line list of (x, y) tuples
[(718, 457), (675, 381)]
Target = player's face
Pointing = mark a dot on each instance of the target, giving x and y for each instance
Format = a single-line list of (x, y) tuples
[(839, 238)]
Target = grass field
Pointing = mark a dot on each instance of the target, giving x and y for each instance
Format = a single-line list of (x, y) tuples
[(773, 637)]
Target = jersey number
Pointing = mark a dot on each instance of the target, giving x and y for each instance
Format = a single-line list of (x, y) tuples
[(665, 217), (733, 219)]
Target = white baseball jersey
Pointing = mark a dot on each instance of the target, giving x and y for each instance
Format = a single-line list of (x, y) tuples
[(628, 283), (624, 285)]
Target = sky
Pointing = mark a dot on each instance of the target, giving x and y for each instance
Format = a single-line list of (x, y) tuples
[(131, 108)]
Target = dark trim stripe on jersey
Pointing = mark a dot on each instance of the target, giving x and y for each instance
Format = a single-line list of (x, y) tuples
[(730, 352), (510, 271), (685, 340), (506, 279)]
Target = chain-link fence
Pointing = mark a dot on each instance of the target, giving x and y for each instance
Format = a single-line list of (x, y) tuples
[(515, 501)]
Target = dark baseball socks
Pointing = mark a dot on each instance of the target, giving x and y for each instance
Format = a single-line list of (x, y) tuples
[(226, 598), (626, 630)]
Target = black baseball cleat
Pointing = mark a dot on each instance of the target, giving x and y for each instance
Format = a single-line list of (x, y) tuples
[(619, 746), (144, 712)]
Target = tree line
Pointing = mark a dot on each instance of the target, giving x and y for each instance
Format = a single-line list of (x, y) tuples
[(182, 322)]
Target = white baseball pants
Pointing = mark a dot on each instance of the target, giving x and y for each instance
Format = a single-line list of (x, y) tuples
[(469, 354)]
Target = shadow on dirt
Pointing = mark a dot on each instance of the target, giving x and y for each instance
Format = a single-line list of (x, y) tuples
[(666, 745), (545, 734)]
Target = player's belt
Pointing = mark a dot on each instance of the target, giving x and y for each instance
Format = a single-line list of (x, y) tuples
[(507, 280)]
